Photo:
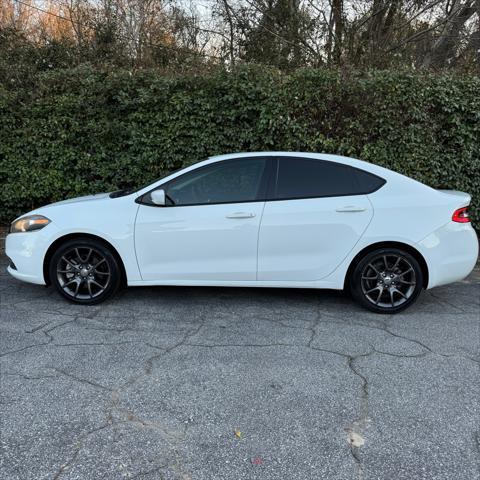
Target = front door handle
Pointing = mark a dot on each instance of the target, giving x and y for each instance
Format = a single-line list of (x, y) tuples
[(351, 208), (241, 215)]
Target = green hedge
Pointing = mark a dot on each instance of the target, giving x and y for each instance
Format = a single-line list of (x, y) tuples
[(74, 132)]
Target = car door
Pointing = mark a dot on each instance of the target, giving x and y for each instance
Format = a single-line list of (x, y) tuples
[(316, 213), (208, 230)]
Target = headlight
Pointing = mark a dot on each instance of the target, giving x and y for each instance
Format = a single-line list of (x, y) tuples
[(29, 223)]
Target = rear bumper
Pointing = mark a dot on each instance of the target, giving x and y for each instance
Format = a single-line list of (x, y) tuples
[(451, 253)]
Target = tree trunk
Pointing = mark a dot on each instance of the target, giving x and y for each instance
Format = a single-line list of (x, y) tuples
[(444, 49), (337, 14), (231, 43)]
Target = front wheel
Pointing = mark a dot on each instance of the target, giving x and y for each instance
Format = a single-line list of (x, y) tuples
[(386, 280), (85, 271)]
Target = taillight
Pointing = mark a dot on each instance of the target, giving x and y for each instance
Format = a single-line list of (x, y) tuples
[(461, 215)]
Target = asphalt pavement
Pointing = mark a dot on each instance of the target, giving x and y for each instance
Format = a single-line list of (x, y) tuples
[(217, 383)]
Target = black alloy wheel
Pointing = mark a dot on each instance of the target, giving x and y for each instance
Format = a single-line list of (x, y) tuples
[(387, 280), (85, 271)]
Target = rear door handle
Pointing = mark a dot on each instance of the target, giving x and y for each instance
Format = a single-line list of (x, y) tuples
[(351, 208), (241, 215)]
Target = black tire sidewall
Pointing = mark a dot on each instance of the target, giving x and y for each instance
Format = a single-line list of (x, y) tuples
[(356, 283), (86, 243)]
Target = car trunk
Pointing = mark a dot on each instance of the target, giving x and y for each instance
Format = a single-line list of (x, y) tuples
[(459, 199)]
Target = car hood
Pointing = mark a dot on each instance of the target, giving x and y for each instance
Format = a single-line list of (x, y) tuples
[(86, 198), (48, 210)]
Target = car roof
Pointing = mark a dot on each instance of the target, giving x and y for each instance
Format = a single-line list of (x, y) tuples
[(270, 154), (354, 162)]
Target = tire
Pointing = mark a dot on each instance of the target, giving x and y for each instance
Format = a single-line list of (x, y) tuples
[(85, 271), (386, 280)]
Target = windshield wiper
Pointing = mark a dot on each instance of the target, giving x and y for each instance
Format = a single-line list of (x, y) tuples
[(121, 193)]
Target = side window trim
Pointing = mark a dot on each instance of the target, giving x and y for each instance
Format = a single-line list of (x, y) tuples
[(271, 193), (261, 194)]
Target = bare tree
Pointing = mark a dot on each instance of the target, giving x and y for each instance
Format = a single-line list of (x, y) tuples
[(287, 34), (445, 48), (231, 29)]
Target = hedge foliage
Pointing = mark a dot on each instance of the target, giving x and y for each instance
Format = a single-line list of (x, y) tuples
[(74, 132)]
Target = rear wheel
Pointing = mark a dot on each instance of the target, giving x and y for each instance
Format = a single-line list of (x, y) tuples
[(85, 271), (386, 280)]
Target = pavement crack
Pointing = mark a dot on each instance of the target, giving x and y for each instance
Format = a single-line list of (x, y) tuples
[(333, 352), (358, 426), (282, 324), (11, 352), (78, 446), (49, 330), (131, 418), (396, 335), (189, 334), (313, 327), (358, 462), (81, 380), (95, 344), (446, 302), (364, 380), (28, 377), (114, 330), (253, 345), (33, 330), (361, 423), (127, 416), (401, 355), (152, 471), (457, 355)]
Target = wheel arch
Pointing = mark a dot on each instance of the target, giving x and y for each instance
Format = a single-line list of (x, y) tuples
[(388, 244), (59, 241)]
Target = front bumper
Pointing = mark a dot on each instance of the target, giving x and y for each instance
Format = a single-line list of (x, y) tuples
[(451, 253), (26, 277), (27, 251)]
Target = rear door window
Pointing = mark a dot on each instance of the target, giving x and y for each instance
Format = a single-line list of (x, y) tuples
[(298, 177)]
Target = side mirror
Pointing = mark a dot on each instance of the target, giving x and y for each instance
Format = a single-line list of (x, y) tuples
[(158, 197)]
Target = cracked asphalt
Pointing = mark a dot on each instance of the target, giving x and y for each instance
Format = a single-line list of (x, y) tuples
[(154, 384)]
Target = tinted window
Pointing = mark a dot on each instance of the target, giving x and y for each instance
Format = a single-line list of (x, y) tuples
[(308, 177), (223, 182), (368, 183)]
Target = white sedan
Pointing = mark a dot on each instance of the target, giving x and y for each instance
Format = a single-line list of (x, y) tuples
[(277, 219)]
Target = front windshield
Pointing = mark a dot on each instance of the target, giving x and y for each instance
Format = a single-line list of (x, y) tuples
[(128, 191)]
